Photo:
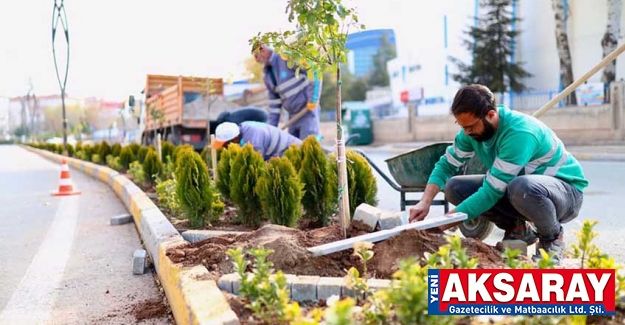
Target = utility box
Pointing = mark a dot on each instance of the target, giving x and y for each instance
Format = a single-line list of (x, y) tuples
[(358, 118)]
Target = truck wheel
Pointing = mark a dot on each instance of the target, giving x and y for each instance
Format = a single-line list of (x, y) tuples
[(478, 228)]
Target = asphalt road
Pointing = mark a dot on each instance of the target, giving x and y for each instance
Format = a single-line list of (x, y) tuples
[(60, 260), (601, 202)]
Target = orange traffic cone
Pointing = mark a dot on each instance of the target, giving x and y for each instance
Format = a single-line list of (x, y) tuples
[(66, 187)]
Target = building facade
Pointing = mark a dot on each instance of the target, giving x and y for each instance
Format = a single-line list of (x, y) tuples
[(363, 46)]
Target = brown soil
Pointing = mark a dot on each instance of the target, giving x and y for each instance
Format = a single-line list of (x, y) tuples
[(149, 309), (291, 256)]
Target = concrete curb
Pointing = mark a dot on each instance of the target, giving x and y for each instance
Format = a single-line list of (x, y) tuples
[(193, 299)]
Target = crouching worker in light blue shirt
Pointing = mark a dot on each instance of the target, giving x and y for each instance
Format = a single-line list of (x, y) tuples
[(267, 139)]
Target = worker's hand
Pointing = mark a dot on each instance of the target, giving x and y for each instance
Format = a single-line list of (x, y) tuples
[(311, 106), (419, 211)]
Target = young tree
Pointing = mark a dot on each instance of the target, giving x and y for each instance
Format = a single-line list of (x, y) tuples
[(379, 76), (253, 70), (318, 45), (491, 43), (609, 43), (564, 52)]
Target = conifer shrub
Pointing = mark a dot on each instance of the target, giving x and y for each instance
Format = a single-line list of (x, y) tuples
[(280, 191), (362, 184), (78, 146), (223, 169), (70, 150), (193, 188), (59, 149), (88, 152), (167, 150), (245, 171), (315, 174), (143, 151), (152, 167), (179, 149), (96, 149), (206, 155), (116, 150), (104, 150), (135, 148), (126, 157), (294, 155)]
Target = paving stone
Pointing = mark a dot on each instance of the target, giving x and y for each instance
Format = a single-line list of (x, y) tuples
[(327, 287), (139, 261), (227, 281), (304, 288), (389, 220), (366, 217), (515, 244), (377, 284), (121, 219)]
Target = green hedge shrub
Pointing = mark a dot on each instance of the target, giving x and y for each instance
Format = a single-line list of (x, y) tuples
[(223, 169), (193, 188), (246, 168), (280, 191), (315, 174), (152, 167)]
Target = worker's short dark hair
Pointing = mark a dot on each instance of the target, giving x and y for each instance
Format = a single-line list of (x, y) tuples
[(474, 99)]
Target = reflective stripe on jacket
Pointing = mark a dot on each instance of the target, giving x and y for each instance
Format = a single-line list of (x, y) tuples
[(267, 139)]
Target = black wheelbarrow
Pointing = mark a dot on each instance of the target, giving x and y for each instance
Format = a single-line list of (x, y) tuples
[(410, 172)]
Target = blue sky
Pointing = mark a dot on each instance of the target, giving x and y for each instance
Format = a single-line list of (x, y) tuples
[(115, 43)]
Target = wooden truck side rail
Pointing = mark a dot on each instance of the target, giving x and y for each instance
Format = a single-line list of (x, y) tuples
[(165, 94)]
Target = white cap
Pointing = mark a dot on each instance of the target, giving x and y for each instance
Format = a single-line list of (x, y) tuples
[(225, 132)]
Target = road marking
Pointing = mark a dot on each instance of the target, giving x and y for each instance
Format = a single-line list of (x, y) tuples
[(32, 301)]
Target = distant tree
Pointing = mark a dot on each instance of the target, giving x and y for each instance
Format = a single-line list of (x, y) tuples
[(609, 42), (564, 51), (379, 76), (491, 44)]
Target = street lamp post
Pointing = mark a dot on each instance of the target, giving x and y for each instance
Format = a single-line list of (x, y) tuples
[(59, 15)]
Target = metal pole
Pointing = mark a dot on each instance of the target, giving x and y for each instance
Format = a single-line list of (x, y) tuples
[(59, 15)]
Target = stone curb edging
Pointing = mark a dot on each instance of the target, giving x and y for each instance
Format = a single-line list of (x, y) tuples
[(193, 298), (307, 287)]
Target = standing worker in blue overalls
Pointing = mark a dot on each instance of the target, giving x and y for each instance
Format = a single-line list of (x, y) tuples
[(291, 92)]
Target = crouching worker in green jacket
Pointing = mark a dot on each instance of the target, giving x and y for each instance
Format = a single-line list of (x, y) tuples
[(267, 139), (530, 178)]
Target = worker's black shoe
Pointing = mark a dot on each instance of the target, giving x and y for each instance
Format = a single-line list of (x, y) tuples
[(555, 248), (523, 231)]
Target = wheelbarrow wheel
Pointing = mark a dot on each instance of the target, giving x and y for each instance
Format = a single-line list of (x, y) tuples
[(479, 228)]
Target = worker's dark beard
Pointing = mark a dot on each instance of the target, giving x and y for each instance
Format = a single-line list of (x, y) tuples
[(489, 131)]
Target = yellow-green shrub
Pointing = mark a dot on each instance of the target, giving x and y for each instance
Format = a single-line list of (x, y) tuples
[(223, 169), (126, 157), (315, 174), (152, 166), (116, 150), (280, 192), (193, 188), (246, 168)]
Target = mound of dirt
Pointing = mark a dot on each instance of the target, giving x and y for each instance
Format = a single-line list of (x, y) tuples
[(290, 252)]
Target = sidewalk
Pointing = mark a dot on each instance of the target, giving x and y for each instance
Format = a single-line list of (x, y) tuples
[(598, 152)]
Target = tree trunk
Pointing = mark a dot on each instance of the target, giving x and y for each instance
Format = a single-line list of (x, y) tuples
[(609, 42), (341, 161), (564, 52)]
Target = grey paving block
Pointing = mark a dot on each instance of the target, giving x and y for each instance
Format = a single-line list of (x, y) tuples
[(515, 245), (227, 281), (377, 236), (139, 262), (304, 288), (327, 287), (366, 217), (377, 284), (390, 220), (121, 219)]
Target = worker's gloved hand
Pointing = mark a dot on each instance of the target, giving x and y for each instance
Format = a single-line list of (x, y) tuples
[(311, 106), (419, 211)]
